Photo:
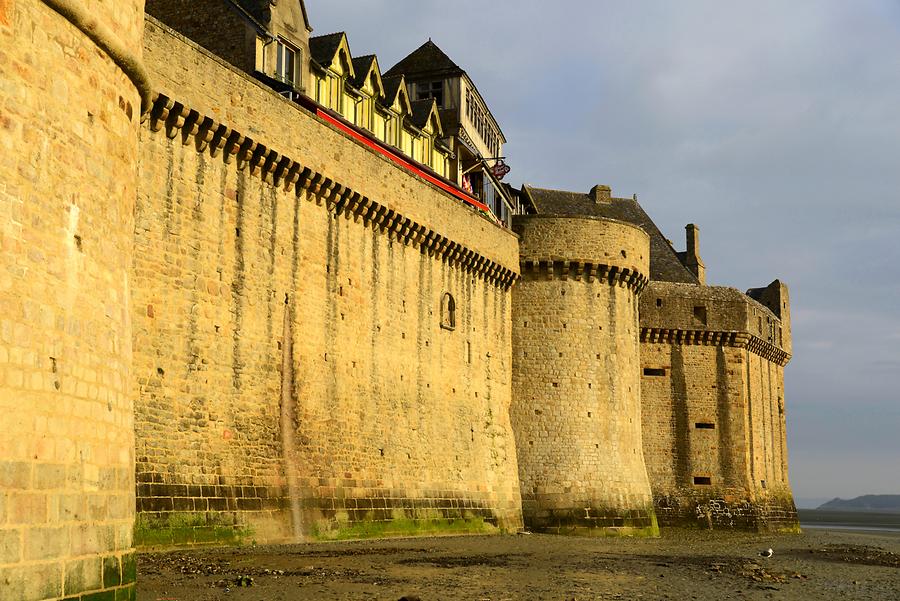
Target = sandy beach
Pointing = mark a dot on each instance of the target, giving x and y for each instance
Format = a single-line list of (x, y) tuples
[(827, 564)]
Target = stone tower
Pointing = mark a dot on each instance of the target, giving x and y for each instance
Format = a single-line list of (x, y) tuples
[(576, 409), (71, 100)]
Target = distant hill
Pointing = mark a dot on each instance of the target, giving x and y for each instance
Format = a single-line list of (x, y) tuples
[(872, 503)]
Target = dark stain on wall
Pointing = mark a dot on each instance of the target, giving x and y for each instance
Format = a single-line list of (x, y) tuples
[(238, 283), (681, 428), (268, 233), (723, 411), (170, 186), (332, 277), (193, 346)]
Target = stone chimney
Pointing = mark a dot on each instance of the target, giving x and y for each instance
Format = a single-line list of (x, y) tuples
[(692, 258), (601, 194)]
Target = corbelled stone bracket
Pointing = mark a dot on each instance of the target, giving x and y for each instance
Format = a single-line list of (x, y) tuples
[(754, 344), (279, 170), (552, 268)]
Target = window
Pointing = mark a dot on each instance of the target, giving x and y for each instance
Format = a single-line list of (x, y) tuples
[(702, 481), (700, 314), (448, 312), (705, 426), (288, 61), (654, 372), (435, 90)]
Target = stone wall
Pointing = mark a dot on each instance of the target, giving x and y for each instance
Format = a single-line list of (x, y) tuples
[(713, 408), (68, 137), (576, 406), (294, 370)]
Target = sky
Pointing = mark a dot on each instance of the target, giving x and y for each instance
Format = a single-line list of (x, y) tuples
[(774, 126)]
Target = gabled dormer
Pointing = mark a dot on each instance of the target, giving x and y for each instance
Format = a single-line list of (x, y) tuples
[(368, 75), (396, 97), (427, 147), (333, 74), (425, 117), (367, 80)]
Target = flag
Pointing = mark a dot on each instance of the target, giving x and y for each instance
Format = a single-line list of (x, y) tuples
[(467, 184)]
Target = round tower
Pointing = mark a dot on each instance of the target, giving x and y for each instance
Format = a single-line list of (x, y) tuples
[(576, 407), (71, 95)]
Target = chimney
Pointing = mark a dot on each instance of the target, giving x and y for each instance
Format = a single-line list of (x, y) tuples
[(692, 258), (601, 194)]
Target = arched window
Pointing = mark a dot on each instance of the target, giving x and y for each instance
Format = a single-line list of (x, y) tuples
[(448, 312)]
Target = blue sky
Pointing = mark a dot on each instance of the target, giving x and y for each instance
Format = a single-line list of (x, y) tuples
[(774, 126)]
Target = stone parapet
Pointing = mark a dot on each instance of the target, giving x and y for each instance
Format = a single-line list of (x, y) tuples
[(685, 310)]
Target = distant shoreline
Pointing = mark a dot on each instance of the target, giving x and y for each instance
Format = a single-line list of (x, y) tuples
[(849, 520)]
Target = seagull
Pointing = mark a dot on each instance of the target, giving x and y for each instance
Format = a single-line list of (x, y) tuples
[(767, 553)]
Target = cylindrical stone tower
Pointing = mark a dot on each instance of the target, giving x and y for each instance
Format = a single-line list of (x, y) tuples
[(71, 89), (576, 407)]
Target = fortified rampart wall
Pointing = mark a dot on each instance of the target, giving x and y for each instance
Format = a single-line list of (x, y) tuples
[(69, 117), (293, 365), (576, 406), (713, 408)]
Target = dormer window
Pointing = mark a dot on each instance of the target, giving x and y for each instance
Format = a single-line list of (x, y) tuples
[(435, 90), (286, 68)]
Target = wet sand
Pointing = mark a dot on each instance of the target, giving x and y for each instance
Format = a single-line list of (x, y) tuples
[(819, 564)]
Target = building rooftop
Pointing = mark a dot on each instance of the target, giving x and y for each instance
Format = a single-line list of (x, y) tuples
[(665, 265), (427, 59), (324, 47), (361, 67)]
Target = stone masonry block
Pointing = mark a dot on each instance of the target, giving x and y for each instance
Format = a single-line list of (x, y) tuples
[(31, 582), (27, 508), (83, 575), (43, 544), (10, 546)]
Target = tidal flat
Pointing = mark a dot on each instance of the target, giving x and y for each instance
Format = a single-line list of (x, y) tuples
[(819, 564)]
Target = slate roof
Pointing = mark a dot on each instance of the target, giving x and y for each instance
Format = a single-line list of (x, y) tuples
[(322, 48), (427, 59), (391, 87), (665, 265), (421, 110), (361, 66)]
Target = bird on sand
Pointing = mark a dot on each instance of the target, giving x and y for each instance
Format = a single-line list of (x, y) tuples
[(767, 553)]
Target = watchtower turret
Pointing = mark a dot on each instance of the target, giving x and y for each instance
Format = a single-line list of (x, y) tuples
[(576, 409)]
